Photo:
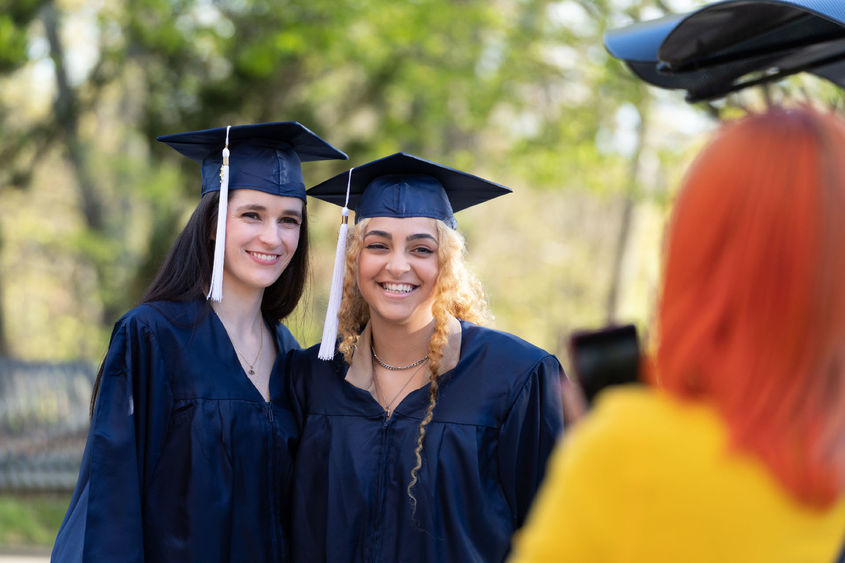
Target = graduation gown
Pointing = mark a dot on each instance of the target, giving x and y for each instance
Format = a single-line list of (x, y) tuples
[(497, 417), (185, 461)]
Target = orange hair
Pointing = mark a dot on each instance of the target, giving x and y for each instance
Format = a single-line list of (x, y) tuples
[(752, 312)]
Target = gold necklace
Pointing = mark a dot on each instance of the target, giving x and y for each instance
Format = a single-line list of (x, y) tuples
[(380, 398), (257, 359)]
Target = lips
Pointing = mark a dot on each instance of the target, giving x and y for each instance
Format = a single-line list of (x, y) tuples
[(398, 288), (261, 258)]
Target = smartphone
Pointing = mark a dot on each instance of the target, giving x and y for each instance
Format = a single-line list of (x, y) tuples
[(605, 357)]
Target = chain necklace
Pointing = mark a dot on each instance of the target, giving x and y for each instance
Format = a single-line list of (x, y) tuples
[(396, 368), (380, 398), (257, 359)]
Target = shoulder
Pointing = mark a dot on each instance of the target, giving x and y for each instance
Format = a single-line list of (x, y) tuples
[(147, 333), (309, 355), (285, 339), (495, 369), (500, 343), (627, 416), (502, 357), (652, 431), (303, 363), (156, 315)]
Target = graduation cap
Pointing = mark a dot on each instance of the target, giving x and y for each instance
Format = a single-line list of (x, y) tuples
[(734, 44), (400, 185), (264, 156)]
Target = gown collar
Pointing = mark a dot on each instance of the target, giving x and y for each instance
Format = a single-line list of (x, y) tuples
[(360, 373)]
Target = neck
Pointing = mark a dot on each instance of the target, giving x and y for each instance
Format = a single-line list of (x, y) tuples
[(237, 312), (400, 344)]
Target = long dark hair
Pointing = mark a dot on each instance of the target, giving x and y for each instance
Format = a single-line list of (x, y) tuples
[(186, 271)]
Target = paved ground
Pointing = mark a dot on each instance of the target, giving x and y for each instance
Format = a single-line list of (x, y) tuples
[(25, 556)]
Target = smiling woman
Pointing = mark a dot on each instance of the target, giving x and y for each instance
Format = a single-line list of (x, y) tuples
[(262, 235), (397, 269), (190, 452), (426, 435)]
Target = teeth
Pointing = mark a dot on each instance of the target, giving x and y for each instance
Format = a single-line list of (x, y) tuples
[(398, 287), (264, 257)]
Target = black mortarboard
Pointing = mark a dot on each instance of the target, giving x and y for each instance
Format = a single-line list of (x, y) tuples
[(264, 156), (404, 185), (400, 185), (729, 45)]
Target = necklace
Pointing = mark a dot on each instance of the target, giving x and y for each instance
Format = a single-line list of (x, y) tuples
[(257, 359), (380, 398), (396, 368)]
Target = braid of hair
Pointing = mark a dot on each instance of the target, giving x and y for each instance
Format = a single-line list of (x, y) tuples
[(436, 345), (457, 293), (354, 312)]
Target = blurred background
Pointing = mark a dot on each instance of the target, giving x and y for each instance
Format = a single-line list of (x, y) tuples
[(519, 91)]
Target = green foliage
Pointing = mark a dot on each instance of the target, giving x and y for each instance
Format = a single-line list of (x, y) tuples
[(30, 520), (520, 91)]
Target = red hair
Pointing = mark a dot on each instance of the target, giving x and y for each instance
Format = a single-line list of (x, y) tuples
[(752, 312)]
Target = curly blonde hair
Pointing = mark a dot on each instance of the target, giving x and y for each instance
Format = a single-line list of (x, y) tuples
[(457, 293)]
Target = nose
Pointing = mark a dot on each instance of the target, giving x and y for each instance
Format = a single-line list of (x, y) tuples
[(270, 235), (397, 263)]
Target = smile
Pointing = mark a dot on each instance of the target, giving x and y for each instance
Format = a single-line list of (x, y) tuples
[(398, 288), (262, 258)]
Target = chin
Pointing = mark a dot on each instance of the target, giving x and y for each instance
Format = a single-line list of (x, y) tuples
[(401, 317)]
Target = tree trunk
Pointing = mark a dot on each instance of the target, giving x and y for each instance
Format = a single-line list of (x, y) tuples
[(67, 110), (625, 219)]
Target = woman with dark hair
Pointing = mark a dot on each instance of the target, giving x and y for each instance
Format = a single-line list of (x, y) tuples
[(736, 451), (425, 436), (189, 455)]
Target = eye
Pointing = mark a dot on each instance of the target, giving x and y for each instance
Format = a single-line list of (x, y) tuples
[(422, 250), (250, 215), (289, 221), (376, 246)]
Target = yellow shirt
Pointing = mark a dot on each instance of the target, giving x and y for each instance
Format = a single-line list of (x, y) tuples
[(646, 478)]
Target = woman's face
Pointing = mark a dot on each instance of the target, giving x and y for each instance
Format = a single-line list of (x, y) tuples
[(262, 233), (398, 268)]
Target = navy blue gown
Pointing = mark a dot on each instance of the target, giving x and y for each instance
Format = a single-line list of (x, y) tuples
[(497, 418), (185, 461)]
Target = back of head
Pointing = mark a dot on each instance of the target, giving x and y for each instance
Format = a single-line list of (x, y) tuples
[(752, 314)]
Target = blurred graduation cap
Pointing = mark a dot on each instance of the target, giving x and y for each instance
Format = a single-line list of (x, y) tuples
[(734, 44), (264, 156), (400, 185)]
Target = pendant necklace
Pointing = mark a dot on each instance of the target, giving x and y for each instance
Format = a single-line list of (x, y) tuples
[(388, 407), (252, 365)]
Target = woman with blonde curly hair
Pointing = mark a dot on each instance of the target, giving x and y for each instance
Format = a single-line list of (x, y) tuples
[(425, 436)]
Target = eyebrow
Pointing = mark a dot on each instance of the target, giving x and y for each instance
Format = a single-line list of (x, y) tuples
[(259, 207), (388, 236)]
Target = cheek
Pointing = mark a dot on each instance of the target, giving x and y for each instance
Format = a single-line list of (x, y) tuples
[(366, 268), (291, 238), (432, 272)]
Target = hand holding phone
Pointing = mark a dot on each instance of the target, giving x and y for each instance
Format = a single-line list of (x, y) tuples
[(605, 357)]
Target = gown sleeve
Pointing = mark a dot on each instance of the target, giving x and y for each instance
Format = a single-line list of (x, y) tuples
[(104, 520), (528, 435)]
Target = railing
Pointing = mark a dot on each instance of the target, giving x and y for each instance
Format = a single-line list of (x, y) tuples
[(43, 424)]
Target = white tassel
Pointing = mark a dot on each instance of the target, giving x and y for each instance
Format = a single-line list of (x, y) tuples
[(327, 344), (215, 291)]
